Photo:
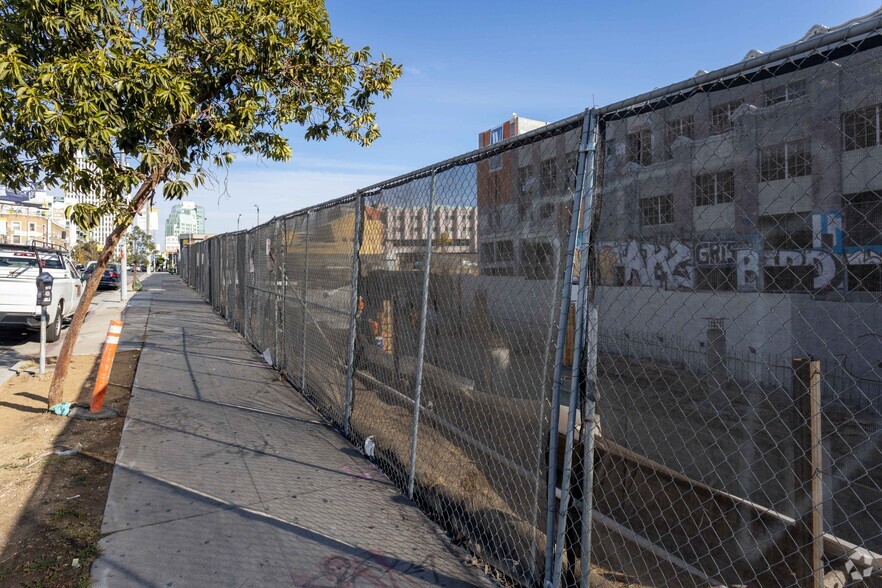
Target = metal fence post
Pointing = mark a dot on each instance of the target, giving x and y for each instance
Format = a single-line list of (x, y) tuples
[(305, 312), (276, 363), (280, 350), (421, 350), (586, 213), (248, 289), (353, 311), (566, 292)]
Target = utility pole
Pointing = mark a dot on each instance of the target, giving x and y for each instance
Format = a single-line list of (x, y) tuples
[(237, 221), (258, 213), (150, 258), (123, 272)]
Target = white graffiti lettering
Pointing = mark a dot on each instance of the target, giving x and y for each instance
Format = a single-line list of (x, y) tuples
[(672, 265), (669, 267)]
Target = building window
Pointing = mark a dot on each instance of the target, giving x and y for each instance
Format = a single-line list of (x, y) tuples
[(721, 117), (681, 127), (640, 147), (715, 188), (538, 260), (785, 93), (32, 227), (865, 277), (524, 175), (16, 240), (495, 135), (549, 174), (786, 231), (16, 225), (863, 219), (789, 278), (861, 128), (715, 278), (504, 251), (789, 160), (657, 210)]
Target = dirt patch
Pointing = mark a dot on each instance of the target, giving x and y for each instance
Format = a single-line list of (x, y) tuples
[(53, 504)]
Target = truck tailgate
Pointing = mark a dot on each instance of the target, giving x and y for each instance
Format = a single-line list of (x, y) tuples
[(18, 293)]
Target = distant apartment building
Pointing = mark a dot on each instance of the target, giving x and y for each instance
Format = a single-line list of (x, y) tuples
[(33, 215), (524, 196), (454, 229), (185, 218), (24, 226)]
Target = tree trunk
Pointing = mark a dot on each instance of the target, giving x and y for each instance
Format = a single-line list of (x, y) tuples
[(56, 390)]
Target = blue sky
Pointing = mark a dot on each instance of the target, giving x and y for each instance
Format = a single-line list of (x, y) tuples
[(468, 65)]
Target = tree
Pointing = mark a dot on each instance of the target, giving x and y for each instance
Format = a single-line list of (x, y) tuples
[(121, 98), (85, 251), (139, 247)]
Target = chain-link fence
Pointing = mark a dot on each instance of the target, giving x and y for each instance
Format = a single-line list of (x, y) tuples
[(673, 301)]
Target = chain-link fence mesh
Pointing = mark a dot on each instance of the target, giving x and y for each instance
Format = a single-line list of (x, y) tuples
[(739, 234), (672, 301)]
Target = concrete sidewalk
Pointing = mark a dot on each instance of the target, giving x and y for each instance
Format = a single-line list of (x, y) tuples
[(227, 477)]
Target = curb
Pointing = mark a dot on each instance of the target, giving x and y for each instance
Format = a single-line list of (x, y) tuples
[(13, 370)]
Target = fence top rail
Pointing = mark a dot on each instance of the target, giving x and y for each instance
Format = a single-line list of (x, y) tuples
[(748, 69), (474, 156)]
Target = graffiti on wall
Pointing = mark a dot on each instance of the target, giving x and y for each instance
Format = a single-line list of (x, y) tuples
[(668, 266), (672, 265)]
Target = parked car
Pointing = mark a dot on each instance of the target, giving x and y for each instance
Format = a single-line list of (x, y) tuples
[(111, 277), (19, 267)]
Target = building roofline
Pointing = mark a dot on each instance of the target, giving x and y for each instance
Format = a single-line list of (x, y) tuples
[(758, 65)]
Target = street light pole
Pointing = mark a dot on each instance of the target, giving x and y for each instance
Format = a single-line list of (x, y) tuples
[(258, 213), (237, 221)]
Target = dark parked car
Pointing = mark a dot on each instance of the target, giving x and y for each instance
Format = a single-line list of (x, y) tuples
[(110, 279)]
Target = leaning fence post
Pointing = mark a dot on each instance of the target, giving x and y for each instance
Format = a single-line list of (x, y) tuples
[(305, 311), (808, 532), (587, 213), (566, 294), (418, 377), (353, 311)]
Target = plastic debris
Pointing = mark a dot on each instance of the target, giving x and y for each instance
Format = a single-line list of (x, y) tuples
[(267, 357), (75, 563), (369, 446), (65, 452), (61, 409)]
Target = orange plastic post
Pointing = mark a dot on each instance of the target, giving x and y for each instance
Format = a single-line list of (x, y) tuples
[(110, 345)]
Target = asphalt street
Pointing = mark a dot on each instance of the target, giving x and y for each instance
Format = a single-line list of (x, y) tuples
[(18, 345)]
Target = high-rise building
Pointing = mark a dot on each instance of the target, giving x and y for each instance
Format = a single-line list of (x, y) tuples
[(185, 217), (107, 222)]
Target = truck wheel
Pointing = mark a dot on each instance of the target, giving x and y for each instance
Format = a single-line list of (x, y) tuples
[(53, 331)]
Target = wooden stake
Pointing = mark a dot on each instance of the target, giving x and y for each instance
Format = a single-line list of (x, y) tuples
[(808, 484)]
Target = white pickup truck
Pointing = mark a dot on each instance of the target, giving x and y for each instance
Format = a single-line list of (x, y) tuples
[(19, 267)]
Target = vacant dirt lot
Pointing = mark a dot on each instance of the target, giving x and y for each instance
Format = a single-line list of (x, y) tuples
[(53, 503)]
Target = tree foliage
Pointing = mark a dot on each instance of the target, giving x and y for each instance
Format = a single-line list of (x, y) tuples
[(85, 251), (139, 247), (108, 97), (103, 96)]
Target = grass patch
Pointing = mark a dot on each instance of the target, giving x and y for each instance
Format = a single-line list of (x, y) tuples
[(67, 513)]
